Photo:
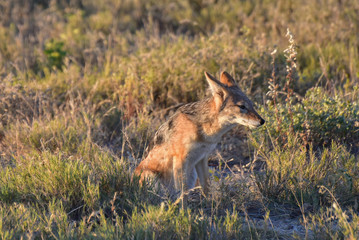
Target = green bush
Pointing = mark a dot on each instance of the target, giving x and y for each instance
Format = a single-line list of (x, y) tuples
[(55, 53), (317, 119)]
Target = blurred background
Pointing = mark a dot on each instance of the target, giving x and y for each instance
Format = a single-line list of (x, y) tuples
[(39, 36)]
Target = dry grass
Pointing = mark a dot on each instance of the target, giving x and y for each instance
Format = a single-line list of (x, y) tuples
[(84, 85)]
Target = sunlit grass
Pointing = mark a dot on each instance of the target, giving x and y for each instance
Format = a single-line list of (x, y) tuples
[(85, 84)]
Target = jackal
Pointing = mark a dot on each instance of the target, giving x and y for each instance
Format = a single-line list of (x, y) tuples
[(183, 143)]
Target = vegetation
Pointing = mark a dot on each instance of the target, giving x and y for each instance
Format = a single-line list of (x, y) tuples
[(84, 85)]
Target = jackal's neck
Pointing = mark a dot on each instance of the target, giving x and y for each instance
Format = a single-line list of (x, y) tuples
[(210, 126)]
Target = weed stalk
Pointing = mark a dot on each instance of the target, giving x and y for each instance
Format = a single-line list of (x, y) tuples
[(291, 56)]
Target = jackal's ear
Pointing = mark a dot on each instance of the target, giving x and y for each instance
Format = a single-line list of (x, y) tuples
[(227, 79), (218, 90), (216, 86)]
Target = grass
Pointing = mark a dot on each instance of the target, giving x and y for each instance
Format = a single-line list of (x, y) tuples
[(85, 84)]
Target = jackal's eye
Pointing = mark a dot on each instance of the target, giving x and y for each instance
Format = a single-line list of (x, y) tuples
[(241, 106)]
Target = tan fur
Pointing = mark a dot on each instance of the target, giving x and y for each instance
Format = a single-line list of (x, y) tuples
[(183, 143)]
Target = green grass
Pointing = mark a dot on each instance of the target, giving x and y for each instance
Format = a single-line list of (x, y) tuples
[(85, 84)]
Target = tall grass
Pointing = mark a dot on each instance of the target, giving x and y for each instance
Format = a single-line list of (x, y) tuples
[(84, 85)]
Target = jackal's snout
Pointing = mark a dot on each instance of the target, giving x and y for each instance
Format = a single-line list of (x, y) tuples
[(257, 119), (258, 123), (262, 121)]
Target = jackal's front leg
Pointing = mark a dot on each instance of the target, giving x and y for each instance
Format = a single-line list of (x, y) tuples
[(203, 174), (180, 184), (179, 177)]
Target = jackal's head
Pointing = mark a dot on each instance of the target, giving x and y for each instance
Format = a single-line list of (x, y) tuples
[(232, 105)]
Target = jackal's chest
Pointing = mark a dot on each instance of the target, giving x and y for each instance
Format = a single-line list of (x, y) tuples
[(199, 151)]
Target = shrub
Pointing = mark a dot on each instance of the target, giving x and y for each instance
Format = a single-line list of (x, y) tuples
[(55, 53), (318, 119)]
